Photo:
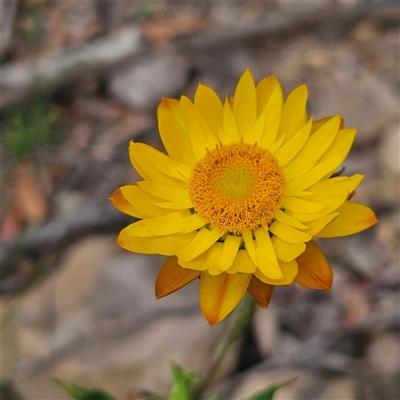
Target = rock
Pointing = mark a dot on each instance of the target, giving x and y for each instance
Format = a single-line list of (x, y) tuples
[(388, 234), (359, 251), (356, 305), (383, 354), (95, 322), (339, 388), (258, 381), (58, 67), (364, 101), (389, 152), (379, 192), (303, 8), (143, 85), (265, 330)]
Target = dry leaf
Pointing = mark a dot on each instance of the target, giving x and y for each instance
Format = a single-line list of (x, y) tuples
[(29, 199), (163, 31)]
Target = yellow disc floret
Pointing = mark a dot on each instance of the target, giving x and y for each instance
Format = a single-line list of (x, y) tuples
[(237, 186)]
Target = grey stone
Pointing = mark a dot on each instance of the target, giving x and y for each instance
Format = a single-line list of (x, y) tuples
[(142, 85), (389, 156), (96, 322), (364, 101), (259, 381), (266, 330), (383, 354), (339, 388), (304, 7)]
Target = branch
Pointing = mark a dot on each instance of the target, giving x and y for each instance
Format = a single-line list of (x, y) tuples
[(55, 234), (19, 78)]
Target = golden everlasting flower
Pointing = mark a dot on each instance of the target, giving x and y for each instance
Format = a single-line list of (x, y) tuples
[(245, 187)]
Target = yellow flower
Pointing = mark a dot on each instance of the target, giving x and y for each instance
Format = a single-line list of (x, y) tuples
[(245, 187)]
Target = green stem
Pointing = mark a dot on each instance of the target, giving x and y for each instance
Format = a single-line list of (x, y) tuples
[(243, 319)]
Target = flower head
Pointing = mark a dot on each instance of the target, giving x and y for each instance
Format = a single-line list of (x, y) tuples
[(246, 186)]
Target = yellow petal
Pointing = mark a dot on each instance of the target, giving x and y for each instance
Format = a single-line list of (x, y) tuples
[(198, 263), (314, 270), (175, 205), (353, 218), (288, 220), (119, 201), (245, 104), (320, 140), (264, 266), (149, 155), (131, 243), (294, 112), (289, 192), (161, 225), (264, 92), (317, 124), (301, 205), (273, 113), (289, 271), (230, 248), (294, 145), (318, 224), (266, 259), (214, 256), (173, 277), (331, 205), (210, 107), (204, 239), (206, 261), (230, 131), (260, 291), (333, 187), (168, 224), (173, 107), (340, 146), (287, 251), (141, 201), (169, 245), (318, 172), (242, 263), (191, 223), (186, 105), (155, 166), (288, 233), (175, 139), (255, 134), (298, 171), (249, 243), (200, 134), (220, 294), (164, 191), (315, 146)]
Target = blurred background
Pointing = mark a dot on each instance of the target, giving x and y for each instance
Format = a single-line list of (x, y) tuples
[(79, 80)]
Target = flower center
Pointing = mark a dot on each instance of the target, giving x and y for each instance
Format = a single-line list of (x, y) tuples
[(236, 187)]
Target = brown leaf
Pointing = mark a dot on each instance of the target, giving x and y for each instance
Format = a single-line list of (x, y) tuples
[(29, 199), (162, 31), (10, 225)]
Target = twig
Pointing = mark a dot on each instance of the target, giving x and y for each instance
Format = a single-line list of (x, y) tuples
[(243, 318), (311, 356), (18, 79), (111, 328), (49, 236)]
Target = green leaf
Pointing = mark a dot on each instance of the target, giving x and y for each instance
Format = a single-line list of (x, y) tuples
[(181, 389), (30, 126), (268, 394), (79, 393)]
